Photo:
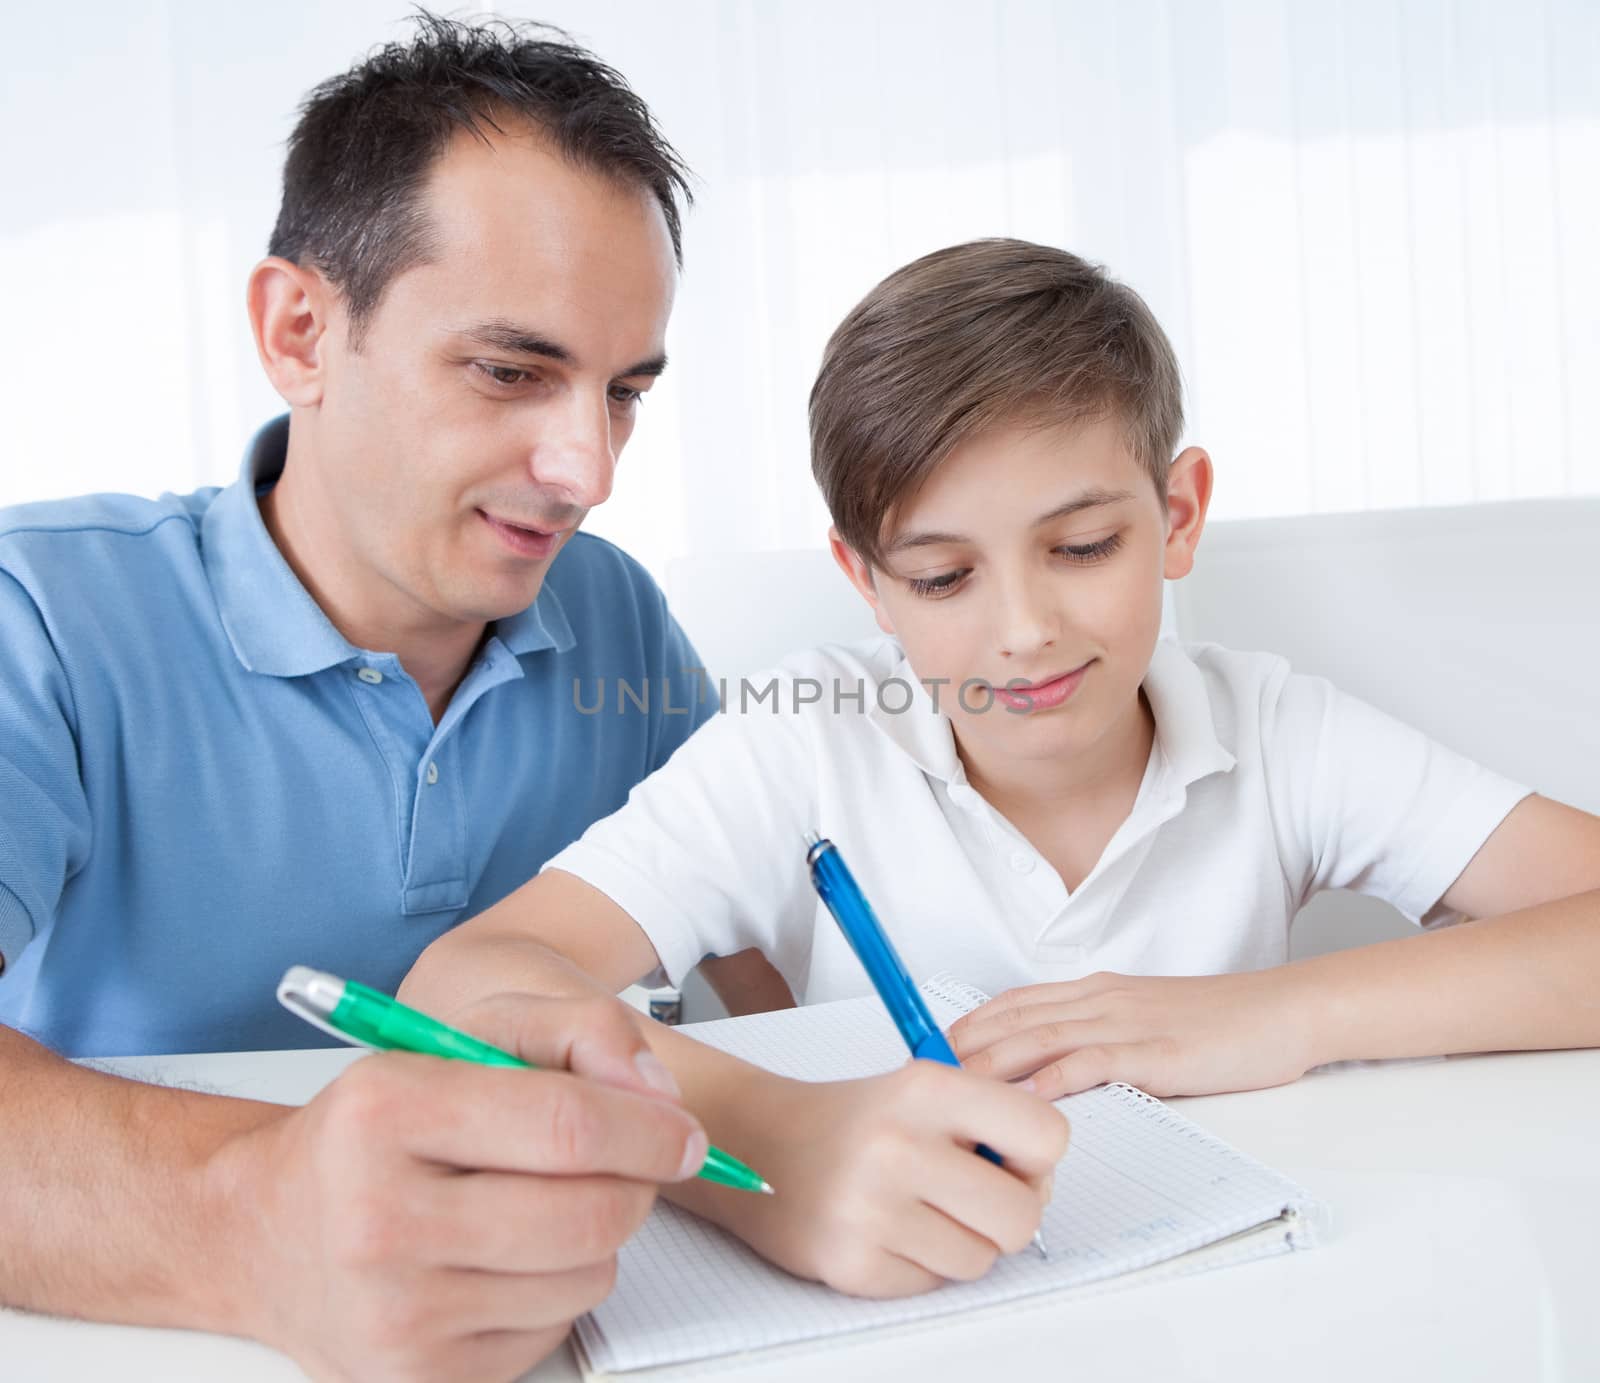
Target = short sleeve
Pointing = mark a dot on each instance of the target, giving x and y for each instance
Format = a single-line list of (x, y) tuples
[(44, 816), (1365, 802), (707, 854)]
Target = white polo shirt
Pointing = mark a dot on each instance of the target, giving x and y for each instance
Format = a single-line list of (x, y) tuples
[(1263, 787)]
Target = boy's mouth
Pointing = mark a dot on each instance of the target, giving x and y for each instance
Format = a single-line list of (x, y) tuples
[(1044, 694)]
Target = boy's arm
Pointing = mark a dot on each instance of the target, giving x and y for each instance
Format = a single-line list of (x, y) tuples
[(1526, 977), (747, 982), (878, 1192)]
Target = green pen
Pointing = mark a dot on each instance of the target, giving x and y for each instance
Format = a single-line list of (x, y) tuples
[(353, 1013)]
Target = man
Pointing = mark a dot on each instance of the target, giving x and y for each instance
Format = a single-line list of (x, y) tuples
[(323, 714)]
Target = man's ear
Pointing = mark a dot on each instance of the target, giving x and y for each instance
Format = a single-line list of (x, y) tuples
[(860, 575), (289, 309), (1188, 497)]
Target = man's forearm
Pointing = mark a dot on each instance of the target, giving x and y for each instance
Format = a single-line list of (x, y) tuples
[(114, 1205), (1526, 981)]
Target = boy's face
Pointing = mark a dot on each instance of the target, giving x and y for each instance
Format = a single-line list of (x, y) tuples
[(484, 411), (1034, 556)]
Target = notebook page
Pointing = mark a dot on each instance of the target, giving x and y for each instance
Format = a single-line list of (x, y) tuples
[(1139, 1185)]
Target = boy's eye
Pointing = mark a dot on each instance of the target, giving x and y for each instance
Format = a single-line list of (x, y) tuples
[(942, 584), (626, 394), (1091, 552)]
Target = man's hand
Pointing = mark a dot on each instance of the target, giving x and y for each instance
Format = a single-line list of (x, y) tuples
[(1168, 1036), (426, 1219), (879, 1191)]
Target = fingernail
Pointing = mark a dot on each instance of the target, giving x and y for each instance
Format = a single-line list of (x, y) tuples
[(694, 1154), (656, 1075)]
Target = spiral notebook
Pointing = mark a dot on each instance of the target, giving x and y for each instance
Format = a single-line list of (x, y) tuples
[(1141, 1193)]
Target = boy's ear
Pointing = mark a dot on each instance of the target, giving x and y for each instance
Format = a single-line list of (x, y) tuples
[(860, 575), (1188, 497), (289, 309)]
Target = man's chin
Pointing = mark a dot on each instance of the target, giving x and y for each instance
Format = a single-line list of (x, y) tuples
[(499, 600)]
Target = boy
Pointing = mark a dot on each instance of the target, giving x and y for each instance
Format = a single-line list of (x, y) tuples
[(1035, 791)]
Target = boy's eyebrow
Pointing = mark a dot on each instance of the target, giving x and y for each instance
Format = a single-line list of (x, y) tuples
[(499, 334), (1089, 499)]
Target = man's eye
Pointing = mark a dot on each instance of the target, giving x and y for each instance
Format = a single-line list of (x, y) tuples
[(625, 394), (503, 375)]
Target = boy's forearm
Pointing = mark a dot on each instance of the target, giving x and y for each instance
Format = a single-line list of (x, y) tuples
[(112, 1206), (472, 962), (1526, 981)]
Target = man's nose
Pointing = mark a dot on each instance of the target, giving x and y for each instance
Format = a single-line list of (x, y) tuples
[(572, 453)]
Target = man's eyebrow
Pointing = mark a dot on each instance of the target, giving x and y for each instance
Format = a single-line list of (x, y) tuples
[(499, 334), (1089, 499)]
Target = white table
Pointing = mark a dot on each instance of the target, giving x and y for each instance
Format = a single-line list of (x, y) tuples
[(1467, 1212)]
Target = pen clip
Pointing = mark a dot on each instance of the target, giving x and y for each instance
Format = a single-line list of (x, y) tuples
[(312, 995)]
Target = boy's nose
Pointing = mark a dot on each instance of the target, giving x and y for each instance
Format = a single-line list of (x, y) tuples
[(1026, 623)]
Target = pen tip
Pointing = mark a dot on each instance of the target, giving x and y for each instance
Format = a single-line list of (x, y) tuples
[(1038, 1243), (766, 1189)]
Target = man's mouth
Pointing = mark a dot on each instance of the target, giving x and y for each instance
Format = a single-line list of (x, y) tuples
[(1044, 694), (523, 539)]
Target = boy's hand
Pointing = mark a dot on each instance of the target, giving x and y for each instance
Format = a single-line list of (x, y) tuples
[(1168, 1036), (879, 1191)]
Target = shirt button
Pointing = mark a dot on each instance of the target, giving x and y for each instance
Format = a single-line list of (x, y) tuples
[(370, 675), (433, 773), (1022, 862)]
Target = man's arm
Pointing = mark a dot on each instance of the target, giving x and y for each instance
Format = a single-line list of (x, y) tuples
[(418, 1217), (111, 1207)]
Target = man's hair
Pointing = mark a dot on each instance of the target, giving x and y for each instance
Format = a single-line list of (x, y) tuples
[(366, 141), (988, 333)]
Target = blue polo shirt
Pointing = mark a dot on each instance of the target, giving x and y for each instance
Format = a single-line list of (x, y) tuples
[(202, 782)]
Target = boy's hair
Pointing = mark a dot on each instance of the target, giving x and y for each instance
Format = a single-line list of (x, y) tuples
[(366, 141), (986, 333)]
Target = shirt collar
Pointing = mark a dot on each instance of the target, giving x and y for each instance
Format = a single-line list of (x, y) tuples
[(274, 625), (904, 709), (1185, 729)]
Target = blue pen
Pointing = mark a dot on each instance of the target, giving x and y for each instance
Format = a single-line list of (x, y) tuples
[(837, 888)]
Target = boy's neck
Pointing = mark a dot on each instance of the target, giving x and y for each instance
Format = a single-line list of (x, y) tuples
[(1110, 770)]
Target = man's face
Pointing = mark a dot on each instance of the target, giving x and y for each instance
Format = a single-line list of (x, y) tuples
[(1032, 556), (494, 389)]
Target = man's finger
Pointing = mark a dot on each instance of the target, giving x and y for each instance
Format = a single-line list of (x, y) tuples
[(478, 1302), (482, 1118), (496, 1222), (592, 1036)]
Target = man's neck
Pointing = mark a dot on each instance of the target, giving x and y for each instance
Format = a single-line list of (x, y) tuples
[(367, 610)]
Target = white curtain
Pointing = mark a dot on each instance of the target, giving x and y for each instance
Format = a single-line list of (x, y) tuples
[(1369, 227)]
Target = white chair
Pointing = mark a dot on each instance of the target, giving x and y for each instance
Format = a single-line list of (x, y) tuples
[(1477, 624)]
